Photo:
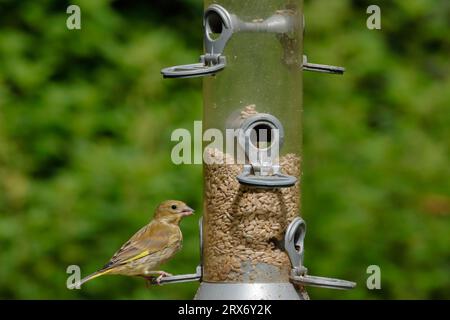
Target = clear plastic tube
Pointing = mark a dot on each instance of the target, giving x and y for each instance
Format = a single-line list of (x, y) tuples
[(244, 226)]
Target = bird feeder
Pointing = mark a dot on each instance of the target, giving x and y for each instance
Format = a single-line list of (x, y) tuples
[(251, 233)]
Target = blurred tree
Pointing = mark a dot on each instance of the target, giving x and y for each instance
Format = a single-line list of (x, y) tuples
[(85, 123)]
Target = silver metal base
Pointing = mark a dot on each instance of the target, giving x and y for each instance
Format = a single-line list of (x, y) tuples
[(248, 291)]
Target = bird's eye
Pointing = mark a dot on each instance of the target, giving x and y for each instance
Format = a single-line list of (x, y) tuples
[(174, 207)]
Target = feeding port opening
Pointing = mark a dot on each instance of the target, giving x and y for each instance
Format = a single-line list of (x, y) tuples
[(261, 135), (214, 25)]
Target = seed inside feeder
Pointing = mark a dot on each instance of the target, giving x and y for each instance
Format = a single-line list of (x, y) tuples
[(244, 226)]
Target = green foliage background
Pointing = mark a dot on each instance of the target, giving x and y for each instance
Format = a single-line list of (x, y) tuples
[(85, 123)]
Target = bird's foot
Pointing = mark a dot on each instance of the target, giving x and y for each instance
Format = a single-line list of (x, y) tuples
[(151, 280), (162, 274)]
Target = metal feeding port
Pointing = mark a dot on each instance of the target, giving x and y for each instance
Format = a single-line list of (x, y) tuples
[(261, 137), (219, 26), (252, 238), (294, 245)]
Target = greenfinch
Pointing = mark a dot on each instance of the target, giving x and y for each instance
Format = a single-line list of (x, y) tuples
[(151, 246)]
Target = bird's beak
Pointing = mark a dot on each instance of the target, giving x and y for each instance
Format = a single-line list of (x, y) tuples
[(187, 211)]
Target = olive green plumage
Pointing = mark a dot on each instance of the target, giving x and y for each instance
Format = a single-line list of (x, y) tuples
[(151, 246)]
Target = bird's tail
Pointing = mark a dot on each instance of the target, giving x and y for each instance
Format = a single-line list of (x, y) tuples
[(94, 275)]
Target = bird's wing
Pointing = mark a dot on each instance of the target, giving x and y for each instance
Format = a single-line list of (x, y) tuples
[(150, 239)]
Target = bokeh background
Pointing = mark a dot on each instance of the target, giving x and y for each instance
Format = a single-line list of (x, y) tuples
[(85, 124)]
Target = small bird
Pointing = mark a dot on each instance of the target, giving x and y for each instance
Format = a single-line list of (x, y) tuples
[(151, 246)]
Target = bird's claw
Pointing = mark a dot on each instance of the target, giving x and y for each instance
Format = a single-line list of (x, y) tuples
[(162, 275), (157, 280)]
